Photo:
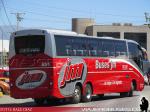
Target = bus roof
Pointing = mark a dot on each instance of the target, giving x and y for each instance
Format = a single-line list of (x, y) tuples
[(71, 33), (65, 32), (131, 41)]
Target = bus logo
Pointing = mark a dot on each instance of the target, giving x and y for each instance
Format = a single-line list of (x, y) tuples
[(72, 72), (30, 79), (27, 78)]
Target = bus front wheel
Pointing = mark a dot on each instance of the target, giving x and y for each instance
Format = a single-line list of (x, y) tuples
[(128, 94)]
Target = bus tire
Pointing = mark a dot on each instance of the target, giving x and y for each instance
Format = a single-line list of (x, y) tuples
[(88, 93), (123, 94), (130, 93), (100, 95), (39, 101), (77, 95)]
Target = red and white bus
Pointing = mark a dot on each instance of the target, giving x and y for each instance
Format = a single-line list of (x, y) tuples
[(48, 64)]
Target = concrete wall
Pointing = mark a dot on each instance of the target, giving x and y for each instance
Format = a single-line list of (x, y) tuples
[(122, 29), (79, 25)]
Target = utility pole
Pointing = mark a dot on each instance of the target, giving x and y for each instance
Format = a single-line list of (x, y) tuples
[(2, 49), (19, 18), (147, 18)]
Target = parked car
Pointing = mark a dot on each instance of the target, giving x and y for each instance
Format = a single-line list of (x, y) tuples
[(4, 87), (4, 75)]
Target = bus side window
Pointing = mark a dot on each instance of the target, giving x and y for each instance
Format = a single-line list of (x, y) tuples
[(140, 52), (86, 47), (108, 48), (78, 46), (69, 50), (141, 57), (106, 53), (62, 46), (134, 53), (99, 48), (120, 48), (93, 48)]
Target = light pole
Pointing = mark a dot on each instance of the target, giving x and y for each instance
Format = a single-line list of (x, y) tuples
[(147, 18), (19, 18)]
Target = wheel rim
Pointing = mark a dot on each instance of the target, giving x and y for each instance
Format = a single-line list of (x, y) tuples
[(88, 94), (77, 93)]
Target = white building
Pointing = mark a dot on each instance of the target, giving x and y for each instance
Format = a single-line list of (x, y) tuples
[(4, 47)]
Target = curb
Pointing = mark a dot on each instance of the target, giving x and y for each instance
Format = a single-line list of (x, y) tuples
[(1, 94)]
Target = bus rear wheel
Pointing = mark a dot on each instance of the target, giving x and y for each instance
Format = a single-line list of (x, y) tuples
[(39, 101), (88, 93), (77, 95)]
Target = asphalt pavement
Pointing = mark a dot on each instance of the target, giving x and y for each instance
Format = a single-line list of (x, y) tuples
[(109, 101)]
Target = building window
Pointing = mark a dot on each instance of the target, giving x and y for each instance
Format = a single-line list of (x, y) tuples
[(140, 38), (109, 34), (4, 62)]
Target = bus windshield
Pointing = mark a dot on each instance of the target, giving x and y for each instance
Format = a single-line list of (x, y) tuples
[(29, 44)]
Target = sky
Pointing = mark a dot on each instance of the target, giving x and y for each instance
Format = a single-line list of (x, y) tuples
[(57, 14)]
